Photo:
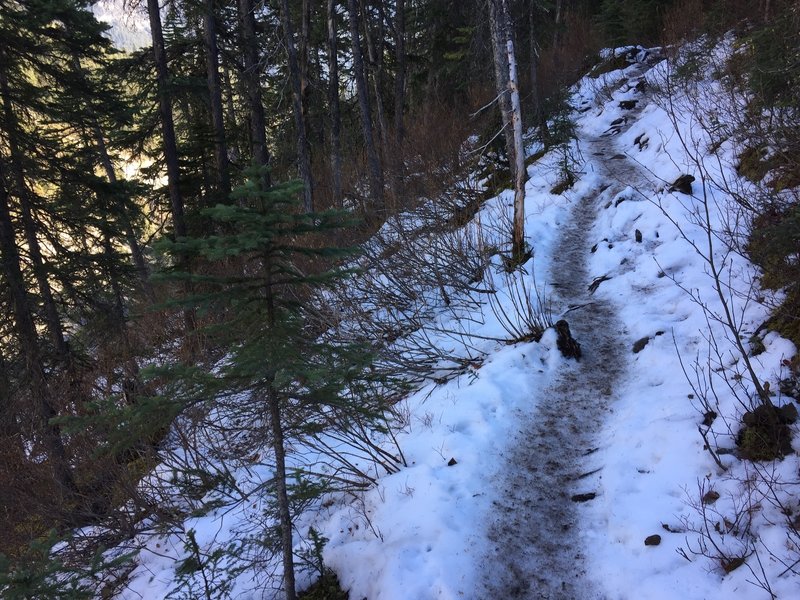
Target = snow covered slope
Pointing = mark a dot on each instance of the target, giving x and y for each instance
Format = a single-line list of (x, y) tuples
[(534, 476)]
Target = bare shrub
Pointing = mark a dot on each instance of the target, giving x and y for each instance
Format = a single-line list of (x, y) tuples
[(742, 428)]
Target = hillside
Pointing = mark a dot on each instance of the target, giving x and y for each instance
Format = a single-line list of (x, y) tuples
[(531, 475), (399, 299)]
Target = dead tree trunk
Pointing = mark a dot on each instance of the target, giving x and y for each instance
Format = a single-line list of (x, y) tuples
[(505, 39), (497, 28)]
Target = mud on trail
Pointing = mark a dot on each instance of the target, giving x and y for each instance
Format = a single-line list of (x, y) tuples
[(551, 473)]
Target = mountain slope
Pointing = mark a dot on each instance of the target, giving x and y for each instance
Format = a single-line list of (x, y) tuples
[(534, 476)]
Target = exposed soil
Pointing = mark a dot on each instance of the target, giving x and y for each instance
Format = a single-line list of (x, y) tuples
[(552, 474)]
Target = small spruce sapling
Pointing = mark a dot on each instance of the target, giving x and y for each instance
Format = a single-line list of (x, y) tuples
[(264, 315)]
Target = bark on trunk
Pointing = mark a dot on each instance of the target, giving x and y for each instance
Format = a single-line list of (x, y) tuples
[(223, 179), (234, 147), (373, 162), (333, 106), (375, 55), (303, 148), (304, 60), (539, 118), (518, 242), (557, 20), (282, 495), (167, 122), (258, 127), (400, 76), (497, 27), (503, 37), (399, 100)]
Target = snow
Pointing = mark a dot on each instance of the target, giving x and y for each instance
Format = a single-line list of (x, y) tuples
[(421, 533), (128, 21)]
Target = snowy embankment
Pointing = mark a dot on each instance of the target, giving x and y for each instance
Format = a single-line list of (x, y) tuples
[(650, 463), (426, 531)]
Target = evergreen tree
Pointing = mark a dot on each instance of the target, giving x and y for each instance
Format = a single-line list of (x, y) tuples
[(63, 231), (296, 375)]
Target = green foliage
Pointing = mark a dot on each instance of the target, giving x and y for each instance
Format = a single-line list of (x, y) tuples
[(203, 574), (764, 441), (311, 555), (327, 587), (632, 21), (41, 574), (259, 290), (774, 61), (561, 126), (774, 244)]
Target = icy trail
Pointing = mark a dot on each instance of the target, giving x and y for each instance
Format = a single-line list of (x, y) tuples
[(551, 474)]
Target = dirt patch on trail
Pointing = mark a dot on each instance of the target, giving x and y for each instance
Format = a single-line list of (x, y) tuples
[(536, 534), (552, 475)]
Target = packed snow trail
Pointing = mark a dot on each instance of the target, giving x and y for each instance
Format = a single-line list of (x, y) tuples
[(551, 474)]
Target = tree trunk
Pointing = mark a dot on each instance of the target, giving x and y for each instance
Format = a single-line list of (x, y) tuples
[(29, 226), (375, 54), (557, 21), (29, 344), (234, 148), (170, 145), (539, 118), (282, 495), (258, 127), (333, 106), (399, 100), (520, 173), (303, 149), (400, 74), (373, 162), (223, 179), (497, 27), (304, 60), (130, 233), (503, 37), (167, 122)]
